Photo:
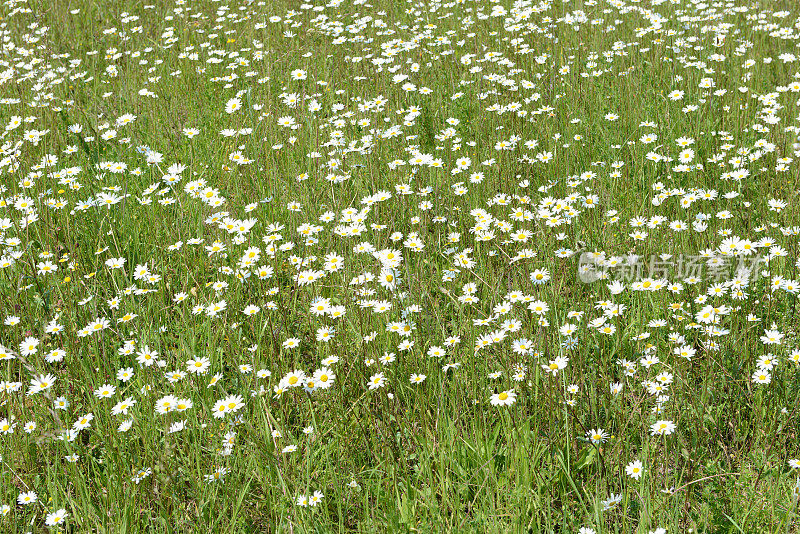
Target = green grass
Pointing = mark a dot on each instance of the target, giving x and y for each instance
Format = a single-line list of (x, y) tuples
[(435, 456)]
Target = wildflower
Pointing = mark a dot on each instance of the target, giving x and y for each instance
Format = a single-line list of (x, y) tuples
[(230, 404), (634, 469), (376, 381), (316, 498), (216, 476), (56, 518), (41, 383), (233, 105), (556, 365), (504, 398), (612, 501), (104, 392), (597, 436), (662, 428), (28, 497), (762, 377), (6, 426)]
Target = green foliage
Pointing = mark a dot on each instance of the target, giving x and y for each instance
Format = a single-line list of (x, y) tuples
[(526, 134)]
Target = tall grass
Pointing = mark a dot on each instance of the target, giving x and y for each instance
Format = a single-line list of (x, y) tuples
[(384, 266)]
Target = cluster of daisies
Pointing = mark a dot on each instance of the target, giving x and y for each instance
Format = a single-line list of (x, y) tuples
[(325, 239)]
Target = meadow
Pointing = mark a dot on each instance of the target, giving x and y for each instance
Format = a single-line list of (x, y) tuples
[(399, 266)]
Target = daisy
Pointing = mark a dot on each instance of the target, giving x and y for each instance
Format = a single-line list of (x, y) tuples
[(28, 497), (56, 518), (233, 105), (662, 428), (41, 383), (597, 435), (634, 469), (376, 381), (504, 398), (104, 392)]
